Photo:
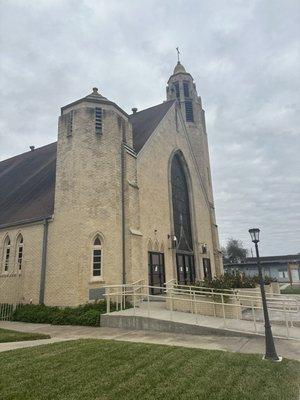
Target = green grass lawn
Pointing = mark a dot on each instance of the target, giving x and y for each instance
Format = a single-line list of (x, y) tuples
[(13, 336), (109, 370), (295, 289)]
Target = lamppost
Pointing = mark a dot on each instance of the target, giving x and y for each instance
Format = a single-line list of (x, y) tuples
[(270, 346)]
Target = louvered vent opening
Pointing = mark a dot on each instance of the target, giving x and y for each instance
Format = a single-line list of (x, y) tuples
[(70, 123), (98, 120), (189, 115), (186, 89), (176, 85)]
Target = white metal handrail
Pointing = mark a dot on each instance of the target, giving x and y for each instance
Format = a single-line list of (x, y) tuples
[(142, 293), (202, 292)]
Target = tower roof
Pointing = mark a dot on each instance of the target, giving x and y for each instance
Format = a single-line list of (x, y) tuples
[(95, 95), (179, 68)]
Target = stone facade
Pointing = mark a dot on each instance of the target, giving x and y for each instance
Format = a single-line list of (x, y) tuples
[(105, 188)]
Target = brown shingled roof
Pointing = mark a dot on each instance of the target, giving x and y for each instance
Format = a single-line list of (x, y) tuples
[(27, 181)]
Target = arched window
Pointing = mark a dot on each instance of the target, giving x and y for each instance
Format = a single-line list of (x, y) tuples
[(20, 251), (181, 208), (6, 254), (182, 224), (97, 257)]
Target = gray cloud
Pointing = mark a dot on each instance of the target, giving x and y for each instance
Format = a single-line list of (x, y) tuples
[(243, 55)]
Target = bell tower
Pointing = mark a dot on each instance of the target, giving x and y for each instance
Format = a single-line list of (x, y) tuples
[(182, 88)]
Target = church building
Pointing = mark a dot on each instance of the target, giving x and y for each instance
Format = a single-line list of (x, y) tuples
[(118, 198)]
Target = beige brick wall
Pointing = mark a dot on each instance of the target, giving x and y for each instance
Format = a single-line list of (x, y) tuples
[(23, 285), (87, 202), (155, 196)]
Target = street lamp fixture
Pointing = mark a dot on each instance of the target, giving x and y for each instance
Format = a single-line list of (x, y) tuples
[(254, 233), (270, 346)]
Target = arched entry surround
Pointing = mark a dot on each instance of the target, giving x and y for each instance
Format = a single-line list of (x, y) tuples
[(177, 152)]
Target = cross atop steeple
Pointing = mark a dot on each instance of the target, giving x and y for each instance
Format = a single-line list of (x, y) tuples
[(178, 52)]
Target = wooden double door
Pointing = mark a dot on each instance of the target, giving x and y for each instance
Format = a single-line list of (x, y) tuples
[(185, 264)]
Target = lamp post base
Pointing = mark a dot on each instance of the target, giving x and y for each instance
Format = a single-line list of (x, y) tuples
[(272, 359)]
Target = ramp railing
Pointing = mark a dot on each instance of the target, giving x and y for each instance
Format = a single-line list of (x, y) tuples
[(199, 304)]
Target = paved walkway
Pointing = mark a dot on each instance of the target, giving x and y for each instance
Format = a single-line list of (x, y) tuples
[(58, 333)]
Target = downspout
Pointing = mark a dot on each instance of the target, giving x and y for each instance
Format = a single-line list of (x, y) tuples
[(43, 266), (123, 203)]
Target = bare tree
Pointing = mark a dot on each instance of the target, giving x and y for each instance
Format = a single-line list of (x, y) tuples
[(234, 252)]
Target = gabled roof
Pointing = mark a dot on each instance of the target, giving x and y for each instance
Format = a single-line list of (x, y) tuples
[(27, 184), (144, 123), (27, 181)]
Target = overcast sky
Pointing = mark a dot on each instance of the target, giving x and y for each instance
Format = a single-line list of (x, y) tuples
[(243, 55)]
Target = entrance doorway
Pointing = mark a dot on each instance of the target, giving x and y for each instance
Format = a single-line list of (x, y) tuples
[(207, 269), (185, 269), (156, 264)]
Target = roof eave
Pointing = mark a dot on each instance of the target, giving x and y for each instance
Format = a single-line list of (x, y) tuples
[(98, 101), (25, 221)]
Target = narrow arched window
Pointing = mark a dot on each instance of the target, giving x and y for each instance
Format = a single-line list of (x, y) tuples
[(20, 251), (6, 253), (97, 257)]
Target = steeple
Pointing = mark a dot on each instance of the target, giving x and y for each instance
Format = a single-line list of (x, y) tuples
[(181, 87), (179, 68)]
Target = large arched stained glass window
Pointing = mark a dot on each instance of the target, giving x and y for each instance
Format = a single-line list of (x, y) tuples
[(181, 208)]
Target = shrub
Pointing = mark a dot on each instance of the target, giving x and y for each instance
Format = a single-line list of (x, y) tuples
[(87, 314), (233, 280), (34, 313)]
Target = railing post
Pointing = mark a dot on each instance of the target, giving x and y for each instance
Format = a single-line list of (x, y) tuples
[(286, 321), (171, 306), (108, 301), (148, 302), (195, 308), (254, 317), (124, 297), (214, 305), (290, 314), (133, 300), (223, 308), (121, 297)]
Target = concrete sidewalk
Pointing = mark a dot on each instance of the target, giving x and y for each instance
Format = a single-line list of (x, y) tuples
[(286, 348)]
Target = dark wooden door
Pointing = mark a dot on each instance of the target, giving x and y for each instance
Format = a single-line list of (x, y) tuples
[(185, 269), (207, 269), (156, 272)]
